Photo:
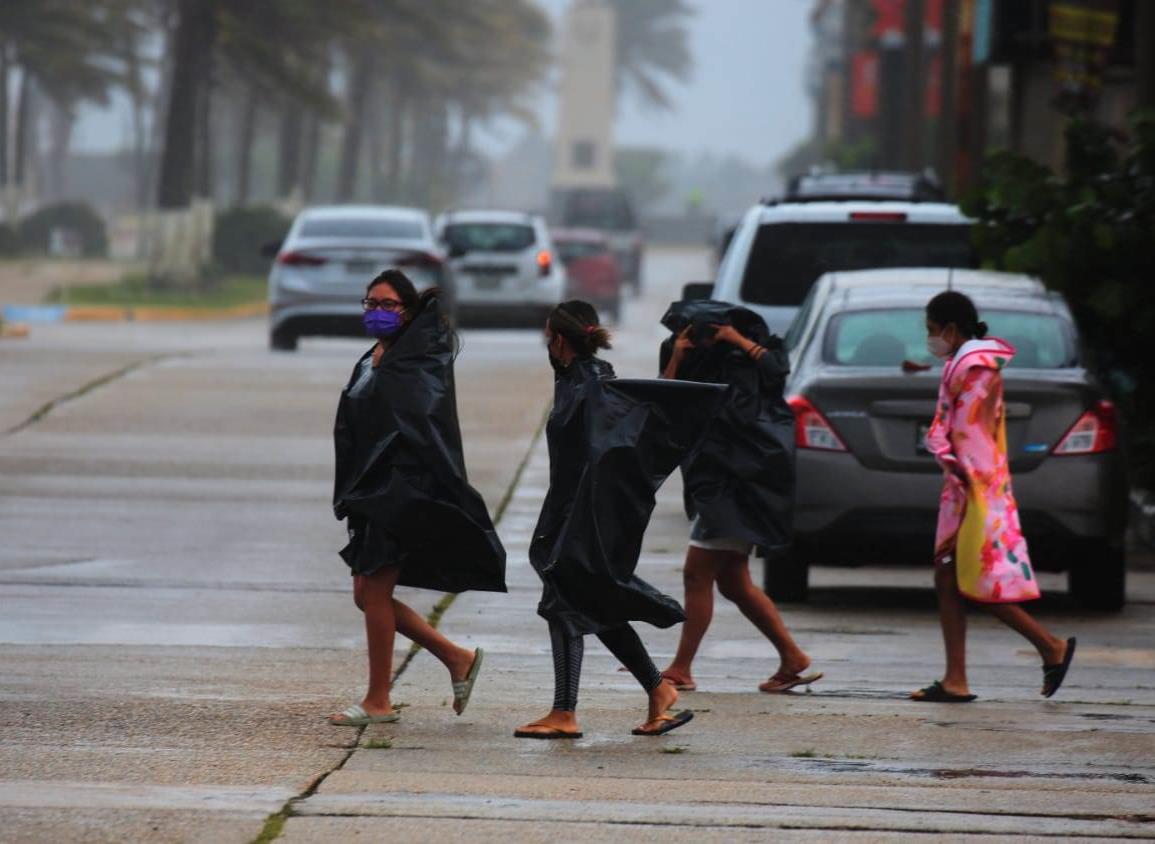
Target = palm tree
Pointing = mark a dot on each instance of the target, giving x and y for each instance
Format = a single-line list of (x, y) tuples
[(652, 48)]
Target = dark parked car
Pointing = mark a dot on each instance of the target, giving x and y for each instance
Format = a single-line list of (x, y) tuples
[(609, 211), (863, 399), (592, 271)]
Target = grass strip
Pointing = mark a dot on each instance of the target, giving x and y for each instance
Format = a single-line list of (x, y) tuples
[(135, 290)]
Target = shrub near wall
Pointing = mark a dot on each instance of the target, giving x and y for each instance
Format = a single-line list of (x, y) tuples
[(239, 233), (9, 241), (77, 218)]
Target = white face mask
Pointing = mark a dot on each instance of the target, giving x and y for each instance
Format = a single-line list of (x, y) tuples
[(938, 347)]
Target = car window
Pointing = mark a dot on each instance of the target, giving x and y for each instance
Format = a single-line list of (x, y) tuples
[(362, 227), (887, 337), (794, 332), (489, 237), (569, 250), (595, 209), (787, 258)]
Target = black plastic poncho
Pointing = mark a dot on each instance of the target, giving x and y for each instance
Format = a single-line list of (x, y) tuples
[(740, 480), (611, 445), (400, 476)]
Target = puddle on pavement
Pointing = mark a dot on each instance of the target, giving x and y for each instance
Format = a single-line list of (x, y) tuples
[(860, 766)]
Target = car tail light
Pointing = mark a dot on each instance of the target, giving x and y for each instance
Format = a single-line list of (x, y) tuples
[(544, 263), (878, 216), (299, 259), (425, 260), (811, 430), (1097, 430)]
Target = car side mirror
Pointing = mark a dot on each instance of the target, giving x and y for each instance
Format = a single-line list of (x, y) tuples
[(697, 290), (270, 249)]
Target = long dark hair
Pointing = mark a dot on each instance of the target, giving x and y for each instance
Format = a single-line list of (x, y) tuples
[(950, 306), (410, 298), (578, 323)]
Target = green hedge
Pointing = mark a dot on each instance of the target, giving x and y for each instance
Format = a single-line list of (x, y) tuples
[(239, 234), (79, 217)]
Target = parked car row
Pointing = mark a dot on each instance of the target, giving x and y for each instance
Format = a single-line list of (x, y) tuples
[(843, 269), (500, 267)]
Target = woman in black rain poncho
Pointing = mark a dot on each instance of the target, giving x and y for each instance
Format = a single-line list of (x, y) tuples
[(740, 481), (611, 444), (400, 481)]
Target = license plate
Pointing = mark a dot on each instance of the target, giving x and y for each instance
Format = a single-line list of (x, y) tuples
[(361, 266), (921, 431), (487, 282)]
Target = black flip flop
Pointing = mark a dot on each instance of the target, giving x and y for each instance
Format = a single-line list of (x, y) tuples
[(553, 734), (668, 723), (1053, 675), (935, 693)]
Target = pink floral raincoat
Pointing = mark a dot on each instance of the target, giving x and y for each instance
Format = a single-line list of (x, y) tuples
[(977, 518)]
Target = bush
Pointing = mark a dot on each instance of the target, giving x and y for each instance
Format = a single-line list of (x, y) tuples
[(1088, 232), (239, 234), (73, 219), (9, 241)]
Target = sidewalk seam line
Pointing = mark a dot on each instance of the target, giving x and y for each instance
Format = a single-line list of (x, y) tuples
[(83, 390)]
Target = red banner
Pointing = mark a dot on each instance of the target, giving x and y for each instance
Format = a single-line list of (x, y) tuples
[(864, 83)]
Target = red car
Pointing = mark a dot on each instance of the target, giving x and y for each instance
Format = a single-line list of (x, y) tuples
[(592, 270)]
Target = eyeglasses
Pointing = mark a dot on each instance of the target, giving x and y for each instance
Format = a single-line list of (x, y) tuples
[(382, 305)]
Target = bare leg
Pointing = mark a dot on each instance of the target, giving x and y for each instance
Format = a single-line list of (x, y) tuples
[(735, 585), (952, 617), (698, 576), (1051, 649), (415, 628), (376, 594)]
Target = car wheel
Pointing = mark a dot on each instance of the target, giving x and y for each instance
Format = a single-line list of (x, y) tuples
[(279, 341), (1097, 578), (787, 574)]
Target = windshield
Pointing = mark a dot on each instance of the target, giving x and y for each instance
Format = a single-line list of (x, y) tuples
[(489, 237), (571, 250), (367, 228), (787, 258), (888, 337), (608, 210)]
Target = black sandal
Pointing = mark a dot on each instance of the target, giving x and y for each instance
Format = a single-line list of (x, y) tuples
[(1053, 675), (935, 693)]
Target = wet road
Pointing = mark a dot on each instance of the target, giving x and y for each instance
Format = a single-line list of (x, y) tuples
[(175, 618)]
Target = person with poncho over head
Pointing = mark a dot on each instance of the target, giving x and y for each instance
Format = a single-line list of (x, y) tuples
[(400, 482), (739, 483), (611, 444), (980, 554)]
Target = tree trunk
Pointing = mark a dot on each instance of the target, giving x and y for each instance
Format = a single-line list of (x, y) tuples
[(289, 150), (192, 47), (309, 158), (360, 82), (62, 122), (395, 140), (203, 186), (3, 117), (248, 127), (21, 131), (948, 122)]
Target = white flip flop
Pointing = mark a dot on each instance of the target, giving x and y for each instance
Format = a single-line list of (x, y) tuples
[(356, 716), (464, 688)]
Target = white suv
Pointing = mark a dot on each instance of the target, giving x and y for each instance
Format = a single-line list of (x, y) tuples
[(503, 265), (781, 247)]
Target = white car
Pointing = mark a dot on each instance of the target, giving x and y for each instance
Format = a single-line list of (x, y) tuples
[(503, 265), (781, 247), (331, 253)]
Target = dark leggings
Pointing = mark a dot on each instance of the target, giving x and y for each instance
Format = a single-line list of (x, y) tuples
[(623, 642)]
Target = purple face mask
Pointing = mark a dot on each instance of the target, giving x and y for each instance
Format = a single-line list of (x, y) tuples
[(382, 324)]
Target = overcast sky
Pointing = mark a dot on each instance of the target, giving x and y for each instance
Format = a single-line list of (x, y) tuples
[(746, 98)]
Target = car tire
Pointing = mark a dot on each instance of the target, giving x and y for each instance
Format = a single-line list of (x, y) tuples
[(1097, 578), (279, 341), (786, 576)]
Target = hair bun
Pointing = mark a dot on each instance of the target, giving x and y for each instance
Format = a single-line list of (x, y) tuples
[(981, 329)]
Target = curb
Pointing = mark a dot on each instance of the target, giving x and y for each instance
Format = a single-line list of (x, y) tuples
[(46, 314)]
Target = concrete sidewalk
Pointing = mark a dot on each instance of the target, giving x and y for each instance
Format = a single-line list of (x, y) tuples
[(852, 759)]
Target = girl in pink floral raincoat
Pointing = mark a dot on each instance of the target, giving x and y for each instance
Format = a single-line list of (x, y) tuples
[(980, 554)]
